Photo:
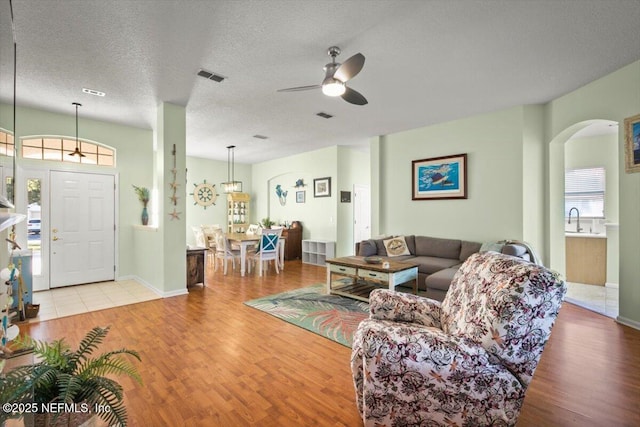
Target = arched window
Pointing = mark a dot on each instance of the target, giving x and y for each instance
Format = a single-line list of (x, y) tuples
[(6, 143), (58, 149)]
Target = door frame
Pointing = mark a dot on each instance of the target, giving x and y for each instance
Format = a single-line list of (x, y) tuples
[(358, 191), (23, 172)]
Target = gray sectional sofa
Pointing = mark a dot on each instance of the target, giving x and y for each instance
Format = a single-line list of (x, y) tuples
[(438, 258)]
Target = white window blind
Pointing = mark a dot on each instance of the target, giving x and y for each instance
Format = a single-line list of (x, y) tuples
[(584, 189)]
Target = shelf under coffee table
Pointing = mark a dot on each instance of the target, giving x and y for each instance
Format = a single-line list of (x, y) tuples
[(362, 277)]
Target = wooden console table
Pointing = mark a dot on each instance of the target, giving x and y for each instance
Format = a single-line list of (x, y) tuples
[(195, 266), (366, 277)]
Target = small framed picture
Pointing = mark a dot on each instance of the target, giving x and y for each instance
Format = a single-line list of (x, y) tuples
[(632, 144), (345, 196), (299, 196), (322, 187)]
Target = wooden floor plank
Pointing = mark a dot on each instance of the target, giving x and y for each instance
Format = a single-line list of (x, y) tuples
[(209, 360)]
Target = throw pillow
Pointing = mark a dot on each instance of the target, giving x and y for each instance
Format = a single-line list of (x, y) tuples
[(491, 246), (396, 246)]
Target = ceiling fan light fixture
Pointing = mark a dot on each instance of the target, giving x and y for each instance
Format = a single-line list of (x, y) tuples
[(333, 88)]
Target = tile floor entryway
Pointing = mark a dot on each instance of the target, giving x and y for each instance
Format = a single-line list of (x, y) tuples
[(78, 299), (601, 299)]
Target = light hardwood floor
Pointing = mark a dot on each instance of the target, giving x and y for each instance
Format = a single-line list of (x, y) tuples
[(209, 360)]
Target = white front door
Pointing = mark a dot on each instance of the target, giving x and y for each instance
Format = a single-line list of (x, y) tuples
[(82, 228)]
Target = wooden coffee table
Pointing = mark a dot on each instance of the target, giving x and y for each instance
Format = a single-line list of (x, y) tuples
[(366, 277)]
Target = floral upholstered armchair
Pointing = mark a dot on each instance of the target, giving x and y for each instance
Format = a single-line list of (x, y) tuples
[(464, 362)]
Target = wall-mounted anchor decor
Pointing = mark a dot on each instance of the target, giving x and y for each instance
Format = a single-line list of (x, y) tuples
[(300, 183)]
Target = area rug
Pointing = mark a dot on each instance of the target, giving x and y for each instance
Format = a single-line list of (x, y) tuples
[(331, 316)]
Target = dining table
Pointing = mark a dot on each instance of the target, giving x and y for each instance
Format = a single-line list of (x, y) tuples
[(245, 240)]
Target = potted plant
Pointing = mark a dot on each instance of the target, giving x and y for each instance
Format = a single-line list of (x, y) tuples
[(74, 378), (266, 223), (143, 196)]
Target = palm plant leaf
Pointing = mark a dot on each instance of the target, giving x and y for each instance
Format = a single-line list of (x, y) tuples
[(107, 364), (69, 376)]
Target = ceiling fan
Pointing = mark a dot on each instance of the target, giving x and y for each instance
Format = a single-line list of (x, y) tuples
[(336, 77)]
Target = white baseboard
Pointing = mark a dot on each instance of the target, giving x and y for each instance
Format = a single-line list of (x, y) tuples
[(612, 285), (628, 322), (154, 289)]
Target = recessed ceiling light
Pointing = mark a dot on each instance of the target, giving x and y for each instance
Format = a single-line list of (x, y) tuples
[(260, 136), (93, 92), (324, 115)]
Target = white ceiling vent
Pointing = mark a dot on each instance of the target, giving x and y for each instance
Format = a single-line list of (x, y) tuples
[(260, 137), (211, 76)]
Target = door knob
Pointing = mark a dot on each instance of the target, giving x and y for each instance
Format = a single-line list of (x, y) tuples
[(54, 230), (55, 238)]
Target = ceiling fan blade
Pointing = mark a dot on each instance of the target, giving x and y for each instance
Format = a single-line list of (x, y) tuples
[(350, 68), (299, 88), (354, 97)]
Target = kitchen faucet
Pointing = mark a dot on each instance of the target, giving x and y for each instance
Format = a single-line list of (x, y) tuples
[(578, 229)]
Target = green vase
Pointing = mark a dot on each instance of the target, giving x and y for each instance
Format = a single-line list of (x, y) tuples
[(145, 216)]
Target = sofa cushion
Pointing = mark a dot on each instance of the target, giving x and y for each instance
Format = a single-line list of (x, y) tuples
[(396, 246), (411, 243), (468, 248), (382, 251), (514, 250), (435, 247), (441, 279), (430, 265), (367, 248)]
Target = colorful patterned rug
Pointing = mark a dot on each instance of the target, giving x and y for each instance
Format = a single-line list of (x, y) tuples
[(331, 316)]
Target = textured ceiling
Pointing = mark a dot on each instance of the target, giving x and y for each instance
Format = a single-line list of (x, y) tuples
[(426, 62)]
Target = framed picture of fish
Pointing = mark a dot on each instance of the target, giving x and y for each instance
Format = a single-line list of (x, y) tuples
[(632, 144), (439, 178)]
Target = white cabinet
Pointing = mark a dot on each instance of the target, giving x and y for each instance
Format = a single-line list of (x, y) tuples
[(317, 251)]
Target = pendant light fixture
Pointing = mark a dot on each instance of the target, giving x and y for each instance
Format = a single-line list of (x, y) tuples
[(231, 186), (77, 151)]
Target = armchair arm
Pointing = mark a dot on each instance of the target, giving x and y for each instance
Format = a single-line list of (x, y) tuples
[(385, 304)]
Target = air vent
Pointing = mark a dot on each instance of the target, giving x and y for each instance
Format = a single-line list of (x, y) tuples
[(260, 136), (211, 76), (324, 115)]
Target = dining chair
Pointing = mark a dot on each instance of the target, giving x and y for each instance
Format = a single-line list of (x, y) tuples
[(223, 251), (268, 250)]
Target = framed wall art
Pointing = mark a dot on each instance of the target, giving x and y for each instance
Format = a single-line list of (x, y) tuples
[(299, 196), (345, 196), (439, 178), (632, 144), (322, 187)]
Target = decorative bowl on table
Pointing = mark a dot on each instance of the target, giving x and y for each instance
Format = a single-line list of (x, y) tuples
[(372, 259)]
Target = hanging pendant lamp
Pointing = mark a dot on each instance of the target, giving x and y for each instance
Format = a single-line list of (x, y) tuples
[(77, 151), (231, 186)]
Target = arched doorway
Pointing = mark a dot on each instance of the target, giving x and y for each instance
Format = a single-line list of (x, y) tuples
[(588, 259)]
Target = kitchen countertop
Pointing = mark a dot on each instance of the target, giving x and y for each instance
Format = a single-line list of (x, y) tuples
[(585, 235)]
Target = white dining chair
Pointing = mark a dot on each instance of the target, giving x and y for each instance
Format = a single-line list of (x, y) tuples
[(267, 251)]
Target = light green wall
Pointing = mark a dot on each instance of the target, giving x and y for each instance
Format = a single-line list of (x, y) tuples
[(134, 150), (494, 207), (318, 215), (612, 97), (214, 172), (534, 178), (597, 151)]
